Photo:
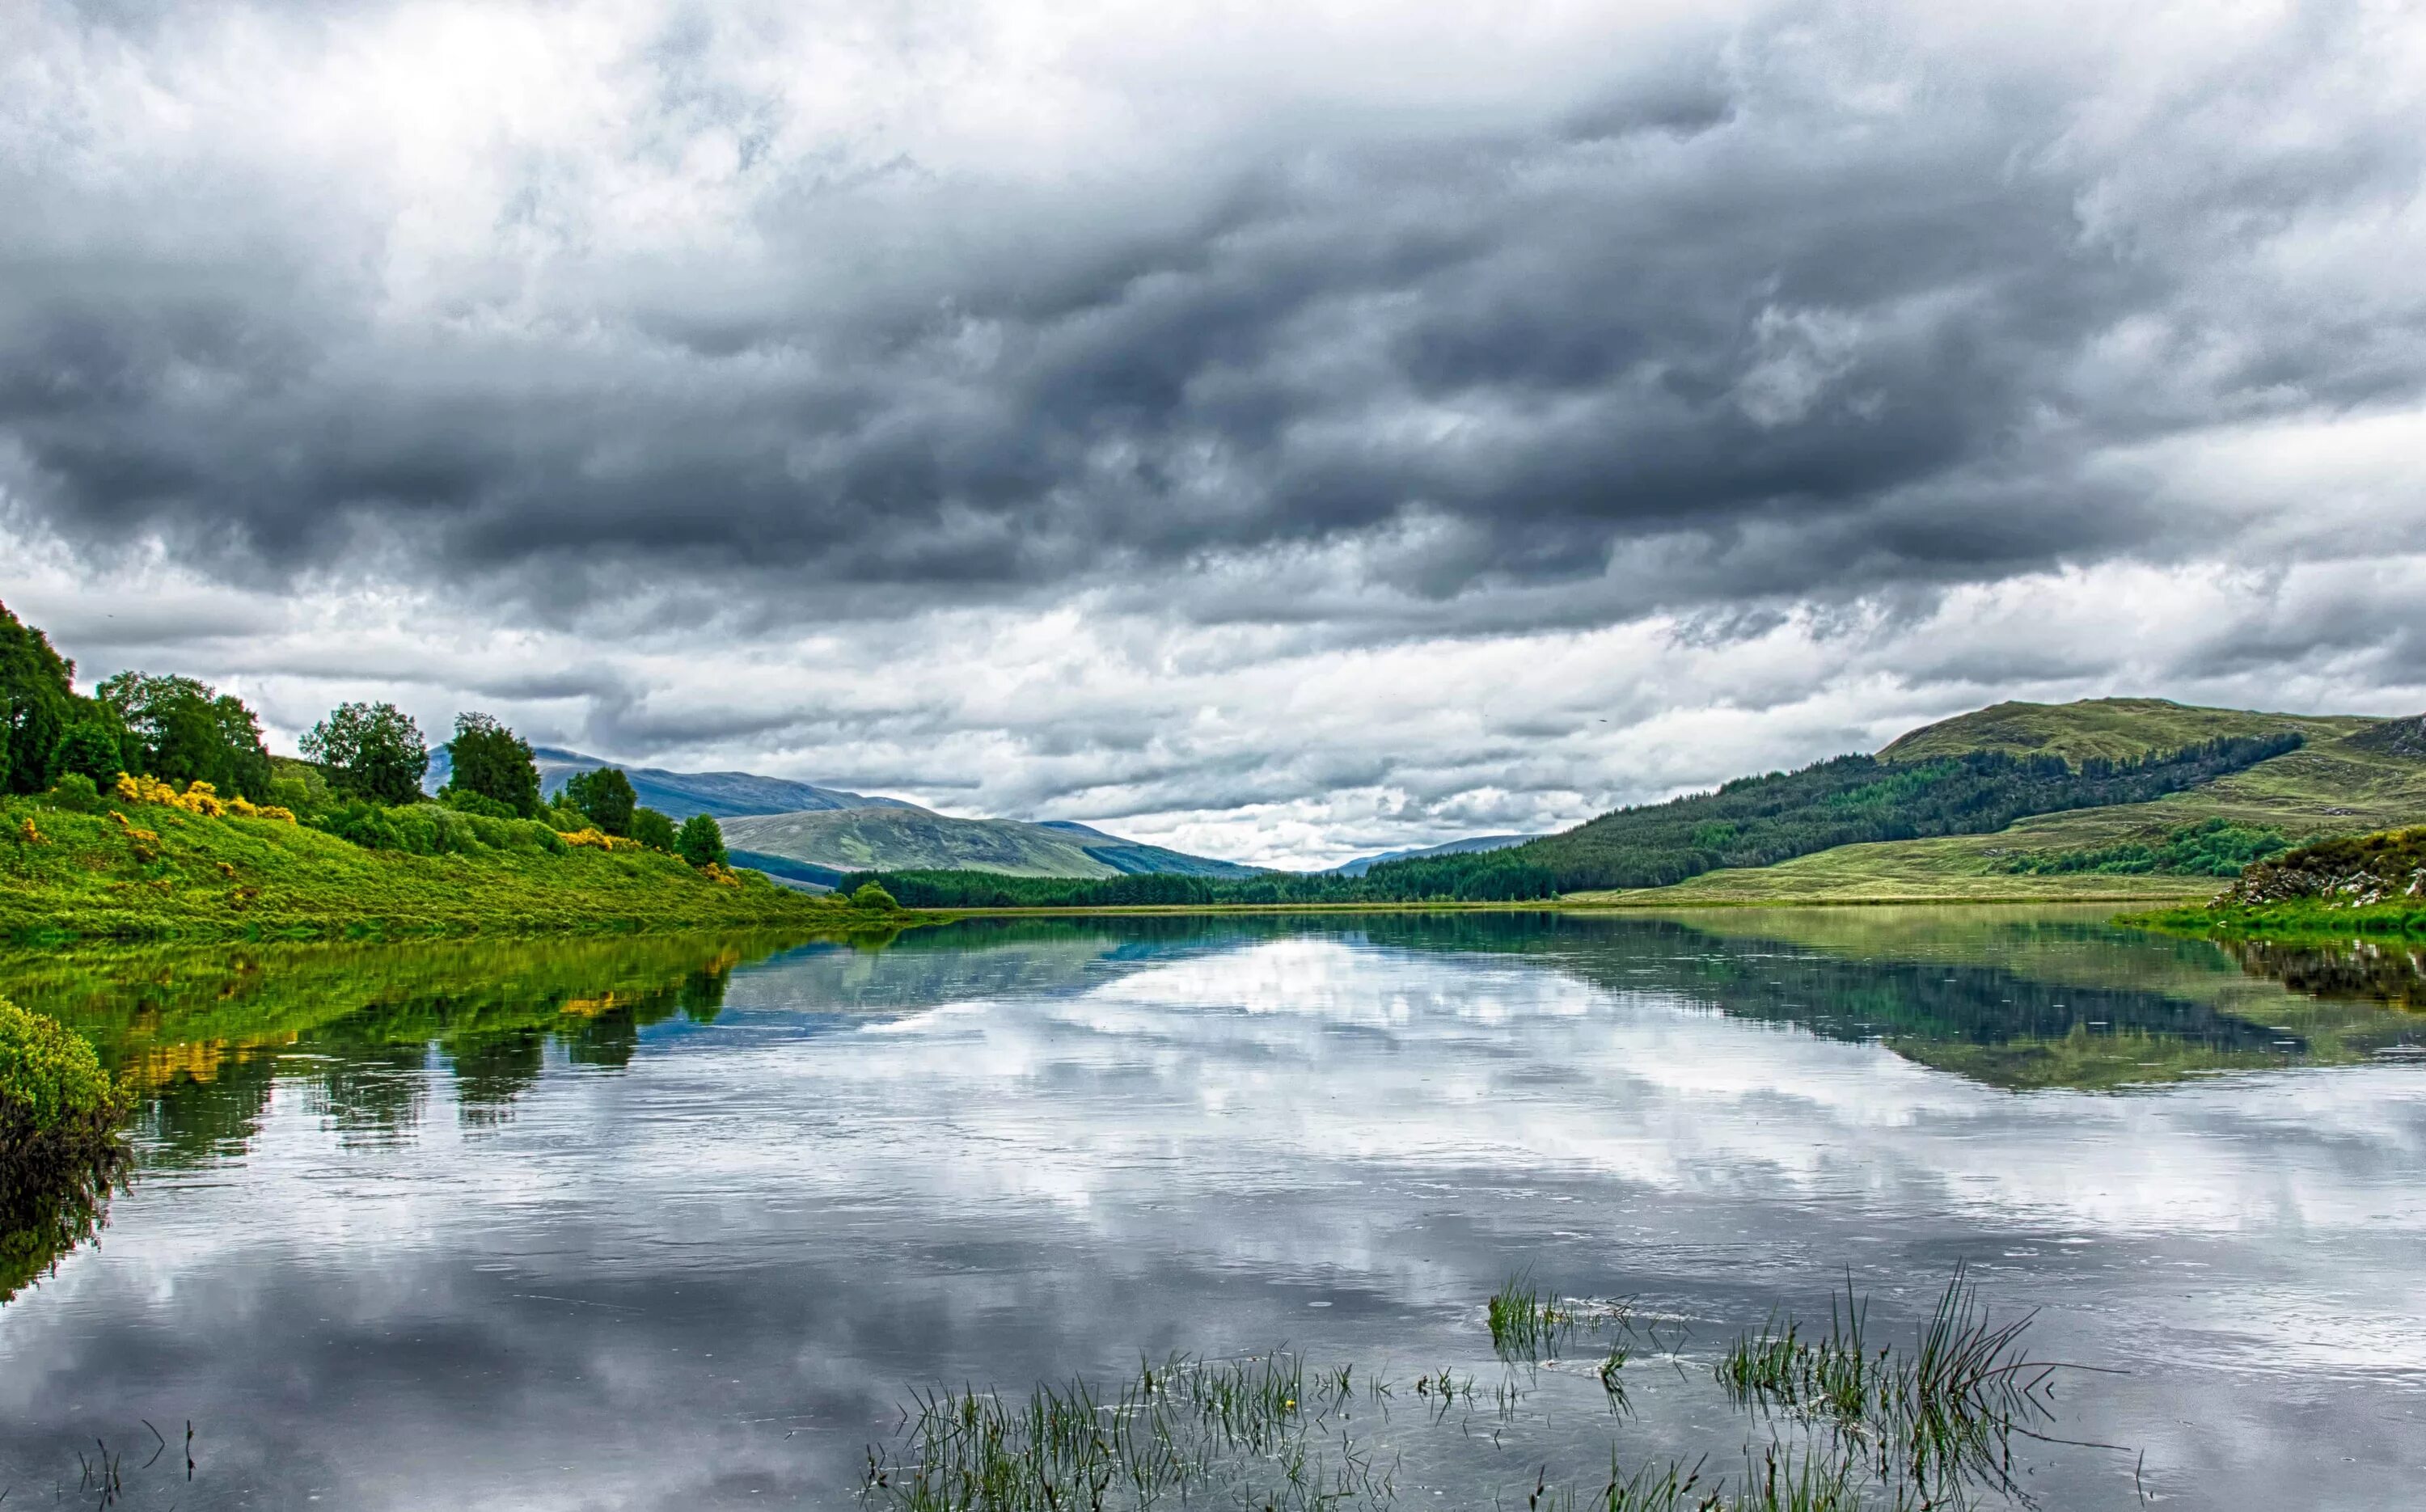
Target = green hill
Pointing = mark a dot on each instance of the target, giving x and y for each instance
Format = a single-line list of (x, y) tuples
[(143, 871), (821, 846), (2370, 775), (2113, 729)]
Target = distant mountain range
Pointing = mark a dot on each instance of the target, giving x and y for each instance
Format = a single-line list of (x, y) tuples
[(1455, 847), (808, 834), (820, 846)]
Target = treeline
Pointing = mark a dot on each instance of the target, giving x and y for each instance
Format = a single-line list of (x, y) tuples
[(361, 779), (1753, 821)]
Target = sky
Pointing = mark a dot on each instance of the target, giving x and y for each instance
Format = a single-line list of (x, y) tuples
[(1280, 431)]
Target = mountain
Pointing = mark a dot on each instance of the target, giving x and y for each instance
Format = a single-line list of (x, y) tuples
[(821, 845), (680, 794), (2112, 729), (1135, 857), (1455, 847), (2372, 776)]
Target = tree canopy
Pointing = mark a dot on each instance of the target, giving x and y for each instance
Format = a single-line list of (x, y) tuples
[(494, 763), (372, 750), (701, 841), (603, 796), (38, 704), (182, 730), (653, 829)]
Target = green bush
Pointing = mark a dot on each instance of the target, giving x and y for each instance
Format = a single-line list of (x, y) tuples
[(463, 801), (872, 896), (653, 829), (48, 1075), (76, 794)]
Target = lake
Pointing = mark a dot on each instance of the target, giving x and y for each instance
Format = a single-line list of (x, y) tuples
[(679, 1224)]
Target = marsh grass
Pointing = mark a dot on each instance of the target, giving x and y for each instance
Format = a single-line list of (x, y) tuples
[(1255, 1431), (1935, 1418), (1850, 1425)]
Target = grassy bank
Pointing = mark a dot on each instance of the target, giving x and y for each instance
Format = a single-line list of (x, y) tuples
[(134, 872)]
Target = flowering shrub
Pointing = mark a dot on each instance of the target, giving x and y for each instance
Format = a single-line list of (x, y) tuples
[(721, 875), (601, 839), (199, 798)]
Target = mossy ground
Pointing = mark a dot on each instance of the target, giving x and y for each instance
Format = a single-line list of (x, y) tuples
[(67, 877)]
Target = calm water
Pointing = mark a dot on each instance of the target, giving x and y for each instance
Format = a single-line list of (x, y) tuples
[(681, 1223)]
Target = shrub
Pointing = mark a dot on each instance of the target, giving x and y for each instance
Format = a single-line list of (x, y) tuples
[(701, 841), (463, 801), (76, 794), (872, 896), (60, 1153), (653, 829), (49, 1077)]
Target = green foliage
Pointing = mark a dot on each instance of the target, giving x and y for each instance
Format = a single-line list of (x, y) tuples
[(76, 793), (701, 842), (92, 747), (493, 762), (653, 829), (48, 1075), (181, 730), (870, 895), (38, 702), (466, 801), (2212, 848), (371, 751), (605, 798), (364, 871)]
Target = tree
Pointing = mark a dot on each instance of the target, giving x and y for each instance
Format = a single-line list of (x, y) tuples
[(372, 750), (605, 797), (872, 896), (653, 829), (91, 748), (701, 841), (182, 730), (36, 703), (494, 763)]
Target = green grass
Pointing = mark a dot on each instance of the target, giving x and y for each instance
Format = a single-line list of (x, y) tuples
[(2327, 788), (68, 876), (2107, 729)]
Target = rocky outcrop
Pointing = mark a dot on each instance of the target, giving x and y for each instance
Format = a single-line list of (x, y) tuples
[(2359, 871)]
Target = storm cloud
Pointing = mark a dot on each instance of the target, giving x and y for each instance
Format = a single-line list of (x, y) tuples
[(1753, 366)]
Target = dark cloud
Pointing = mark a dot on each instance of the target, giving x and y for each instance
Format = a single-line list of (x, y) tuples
[(1725, 314)]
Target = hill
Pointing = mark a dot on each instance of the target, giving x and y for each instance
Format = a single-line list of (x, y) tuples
[(1132, 858), (2112, 729), (144, 871), (821, 846), (1455, 847), (680, 794), (2370, 778)]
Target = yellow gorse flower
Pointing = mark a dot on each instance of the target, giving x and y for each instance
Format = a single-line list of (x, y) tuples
[(199, 798)]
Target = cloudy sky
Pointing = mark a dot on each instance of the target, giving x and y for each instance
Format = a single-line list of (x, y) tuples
[(1280, 430)]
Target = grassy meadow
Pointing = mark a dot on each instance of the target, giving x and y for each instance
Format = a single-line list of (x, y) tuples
[(135, 872)]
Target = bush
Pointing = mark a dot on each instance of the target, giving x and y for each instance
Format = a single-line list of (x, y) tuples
[(463, 801), (48, 1075), (89, 750), (75, 792), (701, 841), (653, 829), (366, 825), (872, 896)]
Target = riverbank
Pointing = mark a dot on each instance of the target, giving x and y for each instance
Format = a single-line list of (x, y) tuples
[(150, 872)]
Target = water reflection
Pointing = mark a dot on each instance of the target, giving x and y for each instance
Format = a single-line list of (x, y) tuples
[(677, 1223)]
